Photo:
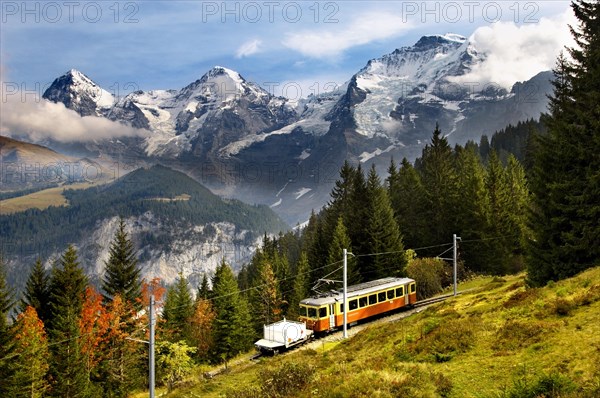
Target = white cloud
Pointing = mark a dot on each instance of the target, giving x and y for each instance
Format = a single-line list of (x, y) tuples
[(365, 29), (39, 119), (248, 48), (517, 53)]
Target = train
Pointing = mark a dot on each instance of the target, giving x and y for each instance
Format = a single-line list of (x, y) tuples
[(325, 313)]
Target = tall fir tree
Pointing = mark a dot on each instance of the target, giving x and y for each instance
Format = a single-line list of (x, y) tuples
[(231, 316), (382, 234), (340, 241), (204, 290), (316, 246), (498, 200), (407, 196), (37, 291), (439, 179), (357, 220), (301, 286), (472, 210), (566, 176), (519, 202), (67, 289), (340, 204), (122, 274), (178, 309), (7, 346)]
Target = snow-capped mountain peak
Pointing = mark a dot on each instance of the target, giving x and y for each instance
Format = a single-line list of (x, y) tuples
[(221, 70), (80, 93), (424, 69)]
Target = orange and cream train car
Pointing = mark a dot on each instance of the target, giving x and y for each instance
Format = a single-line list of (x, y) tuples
[(325, 313)]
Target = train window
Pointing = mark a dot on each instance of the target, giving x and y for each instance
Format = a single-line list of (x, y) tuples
[(390, 294), (322, 312), (362, 302), (400, 291), (381, 297), (303, 310), (353, 305), (342, 308), (413, 288), (312, 312), (372, 299)]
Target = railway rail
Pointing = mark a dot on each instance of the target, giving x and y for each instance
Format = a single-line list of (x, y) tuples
[(316, 340)]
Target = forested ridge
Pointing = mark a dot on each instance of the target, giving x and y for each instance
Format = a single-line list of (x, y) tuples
[(139, 192)]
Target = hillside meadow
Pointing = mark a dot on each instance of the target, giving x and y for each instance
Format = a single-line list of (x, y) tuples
[(498, 339)]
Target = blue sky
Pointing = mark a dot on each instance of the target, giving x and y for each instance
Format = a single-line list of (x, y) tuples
[(168, 44)]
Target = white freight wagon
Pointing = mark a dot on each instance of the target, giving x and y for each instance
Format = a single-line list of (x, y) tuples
[(281, 335)]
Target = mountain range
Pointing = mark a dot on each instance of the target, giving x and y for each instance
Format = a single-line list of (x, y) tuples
[(246, 143)]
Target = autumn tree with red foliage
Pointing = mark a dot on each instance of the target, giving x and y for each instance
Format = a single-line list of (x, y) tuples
[(201, 328)]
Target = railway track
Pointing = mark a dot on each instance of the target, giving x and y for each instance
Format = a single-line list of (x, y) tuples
[(354, 329)]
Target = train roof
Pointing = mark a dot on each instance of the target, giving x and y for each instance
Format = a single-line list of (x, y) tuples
[(357, 290)]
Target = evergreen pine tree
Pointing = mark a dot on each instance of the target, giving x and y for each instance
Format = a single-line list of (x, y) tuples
[(316, 247), (67, 289), (7, 346), (340, 241), (204, 291), (407, 197), (358, 218), (340, 204), (301, 286), (122, 274), (565, 179), (37, 291), (519, 202), (231, 316), (498, 223), (473, 208), (178, 309), (439, 180), (383, 235)]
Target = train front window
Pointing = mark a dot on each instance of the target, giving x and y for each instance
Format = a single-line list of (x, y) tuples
[(322, 312), (312, 312), (303, 311)]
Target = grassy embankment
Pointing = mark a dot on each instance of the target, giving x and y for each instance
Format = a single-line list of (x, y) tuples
[(500, 339)]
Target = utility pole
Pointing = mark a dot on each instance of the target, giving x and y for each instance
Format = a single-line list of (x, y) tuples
[(345, 293), (151, 355), (455, 238)]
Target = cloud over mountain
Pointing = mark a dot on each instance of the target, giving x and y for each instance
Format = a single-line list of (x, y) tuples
[(517, 53)]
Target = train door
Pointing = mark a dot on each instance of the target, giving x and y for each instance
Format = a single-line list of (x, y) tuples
[(331, 316), (406, 300)]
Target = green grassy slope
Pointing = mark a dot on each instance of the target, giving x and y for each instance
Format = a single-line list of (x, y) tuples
[(500, 339)]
